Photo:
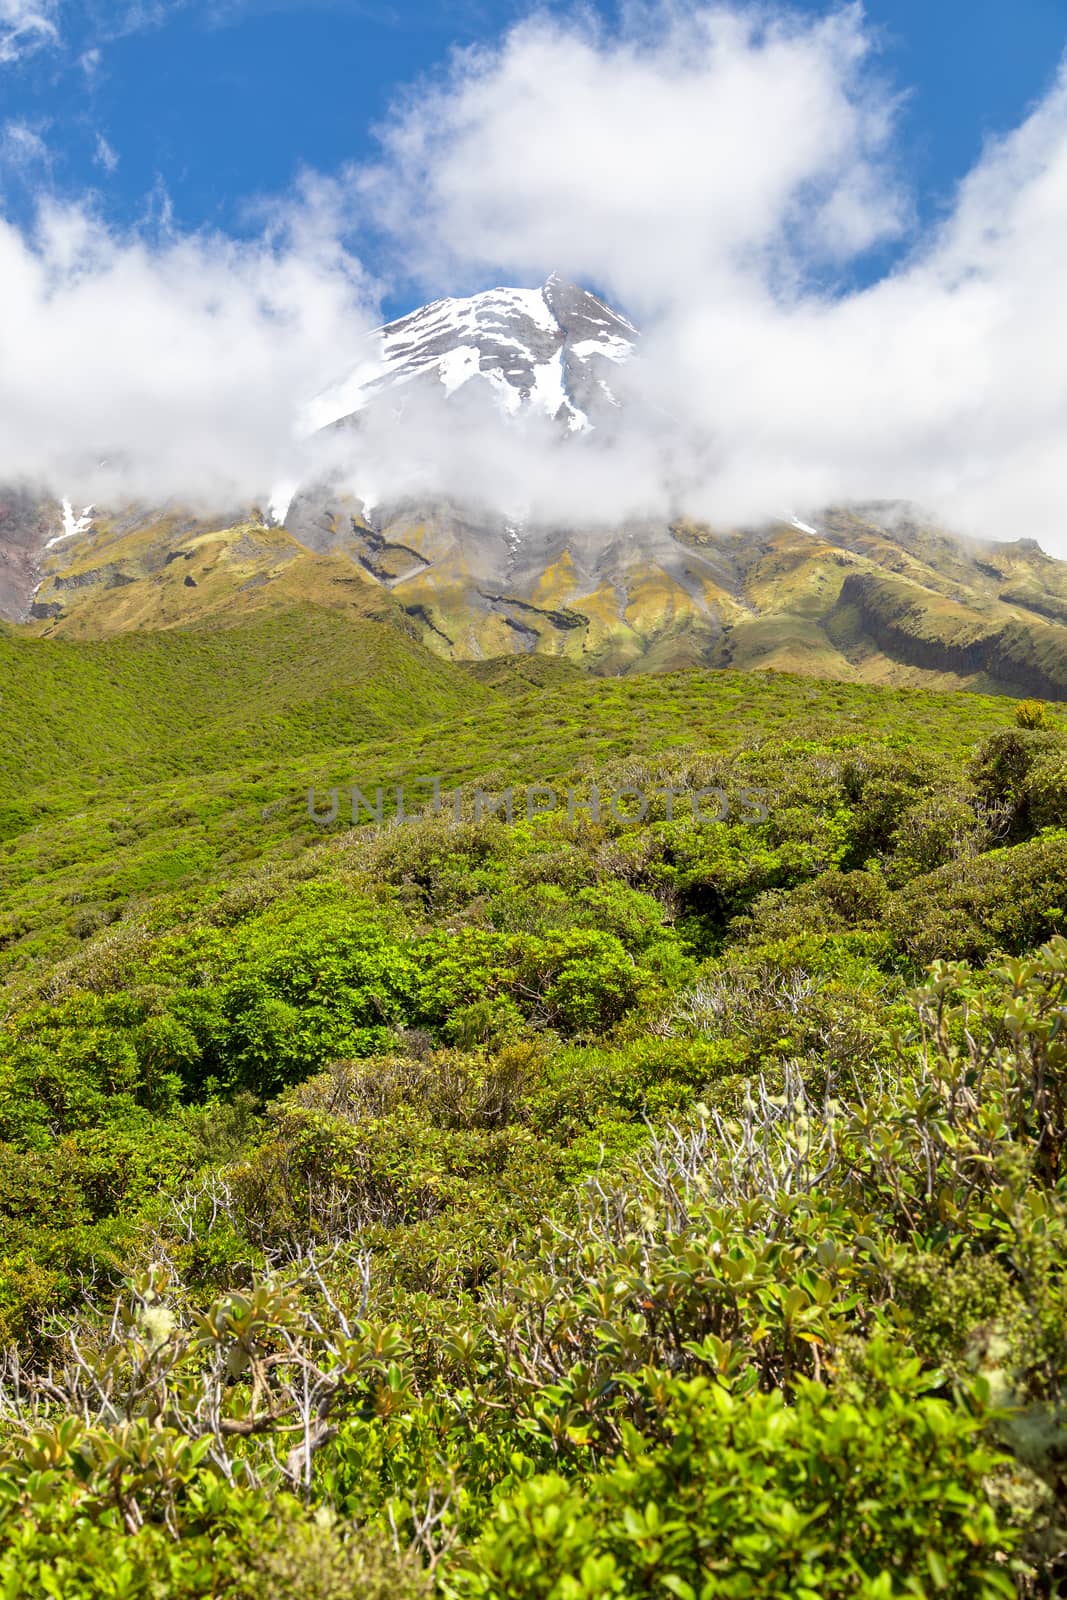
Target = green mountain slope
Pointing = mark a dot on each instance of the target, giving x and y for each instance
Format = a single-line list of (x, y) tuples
[(873, 593), (75, 860), (136, 707), (596, 1188)]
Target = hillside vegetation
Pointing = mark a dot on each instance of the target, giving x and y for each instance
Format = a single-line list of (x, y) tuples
[(591, 1205), (874, 594), (116, 714)]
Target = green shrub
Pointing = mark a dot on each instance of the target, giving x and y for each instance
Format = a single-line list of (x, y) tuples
[(574, 1208), (831, 1497), (1008, 900), (1001, 769), (1032, 714)]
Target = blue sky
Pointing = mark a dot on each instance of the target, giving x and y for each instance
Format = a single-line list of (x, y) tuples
[(213, 104), (841, 231)]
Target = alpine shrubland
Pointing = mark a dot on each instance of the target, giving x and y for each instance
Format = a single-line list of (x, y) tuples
[(577, 1207)]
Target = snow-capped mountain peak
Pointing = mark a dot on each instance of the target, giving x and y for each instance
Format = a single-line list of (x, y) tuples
[(549, 350)]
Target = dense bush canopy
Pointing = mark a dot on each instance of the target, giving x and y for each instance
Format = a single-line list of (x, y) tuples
[(565, 1209)]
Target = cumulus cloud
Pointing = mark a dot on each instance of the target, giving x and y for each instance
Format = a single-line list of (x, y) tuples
[(700, 143), (938, 384), (168, 366), (717, 170), (714, 169)]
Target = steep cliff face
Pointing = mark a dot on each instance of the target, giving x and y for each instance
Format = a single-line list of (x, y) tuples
[(935, 636)]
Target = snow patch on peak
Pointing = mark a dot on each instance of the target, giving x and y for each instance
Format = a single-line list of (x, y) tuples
[(72, 525), (531, 303), (534, 348), (506, 393), (548, 393), (458, 365), (614, 348)]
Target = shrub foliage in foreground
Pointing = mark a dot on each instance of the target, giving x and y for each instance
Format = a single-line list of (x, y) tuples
[(566, 1210), (793, 1346)]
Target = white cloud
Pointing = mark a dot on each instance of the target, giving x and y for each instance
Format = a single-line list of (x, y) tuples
[(654, 162), (21, 147), (711, 170), (104, 154), (25, 24), (704, 168), (141, 16), (173, 361)]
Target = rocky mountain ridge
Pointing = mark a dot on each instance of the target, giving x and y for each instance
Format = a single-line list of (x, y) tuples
[(551, 349), (874, 592)]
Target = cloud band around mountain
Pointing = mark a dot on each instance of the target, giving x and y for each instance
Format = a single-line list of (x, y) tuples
[(719, 172)]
